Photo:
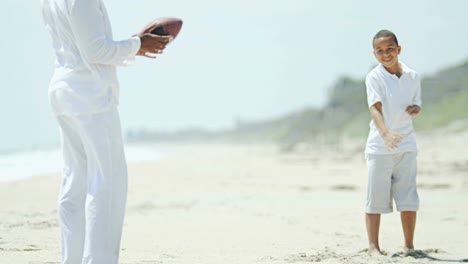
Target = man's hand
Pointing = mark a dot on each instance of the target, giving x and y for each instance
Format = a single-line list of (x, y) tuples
[(392, 140), (413, 110), (152, 44)]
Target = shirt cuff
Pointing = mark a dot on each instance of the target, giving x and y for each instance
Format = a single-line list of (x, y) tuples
[(373, 101), (135, 43)]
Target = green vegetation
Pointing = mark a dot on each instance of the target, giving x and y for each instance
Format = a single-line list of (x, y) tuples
[(445, 99), (446, 111), (444, 95)]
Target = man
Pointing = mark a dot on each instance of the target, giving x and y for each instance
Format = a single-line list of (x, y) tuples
[(83, 94)]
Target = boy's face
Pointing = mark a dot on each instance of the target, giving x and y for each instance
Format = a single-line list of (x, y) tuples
[(386, 51)]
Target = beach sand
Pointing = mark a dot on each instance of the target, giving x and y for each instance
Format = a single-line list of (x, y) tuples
[(219, 203)]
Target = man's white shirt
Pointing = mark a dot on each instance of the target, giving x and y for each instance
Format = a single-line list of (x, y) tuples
[(395, 94), (85, 79)]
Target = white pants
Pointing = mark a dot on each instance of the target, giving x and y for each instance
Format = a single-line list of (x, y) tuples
[(94, 188), (392, 177)]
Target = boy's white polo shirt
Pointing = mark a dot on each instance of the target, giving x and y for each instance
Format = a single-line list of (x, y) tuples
[(395, 94)]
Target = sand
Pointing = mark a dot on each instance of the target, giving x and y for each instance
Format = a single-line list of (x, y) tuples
[(221, 203)]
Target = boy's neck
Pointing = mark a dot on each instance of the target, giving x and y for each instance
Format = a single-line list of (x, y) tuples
[(396, 70)]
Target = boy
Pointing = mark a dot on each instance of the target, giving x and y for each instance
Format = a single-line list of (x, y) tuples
[(393, 97)]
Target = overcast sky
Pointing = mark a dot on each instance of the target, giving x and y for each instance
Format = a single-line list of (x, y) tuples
[(244, 59)]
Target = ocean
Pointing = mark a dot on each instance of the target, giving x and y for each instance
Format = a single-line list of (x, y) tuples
[(26, 164)]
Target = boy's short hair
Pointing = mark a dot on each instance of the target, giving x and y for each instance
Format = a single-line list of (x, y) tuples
[(383, 34)]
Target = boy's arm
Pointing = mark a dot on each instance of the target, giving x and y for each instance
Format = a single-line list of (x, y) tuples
[(414, 109), (391, 139), (375, 96)]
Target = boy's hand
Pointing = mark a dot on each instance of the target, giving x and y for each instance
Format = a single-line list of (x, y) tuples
[(392, 140), (413, 110)]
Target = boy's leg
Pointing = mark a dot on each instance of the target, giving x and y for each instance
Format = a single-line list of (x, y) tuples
[(373, 227), (72, 192), (408, 221), (379, 198), (406, 195)]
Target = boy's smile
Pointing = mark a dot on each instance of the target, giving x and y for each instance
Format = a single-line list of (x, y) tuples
[(386, 51)]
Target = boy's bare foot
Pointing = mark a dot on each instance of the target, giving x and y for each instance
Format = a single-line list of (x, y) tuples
[(374, 251)]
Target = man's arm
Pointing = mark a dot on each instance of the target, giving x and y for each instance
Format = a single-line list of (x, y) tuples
[(89, 24), (391, 139)]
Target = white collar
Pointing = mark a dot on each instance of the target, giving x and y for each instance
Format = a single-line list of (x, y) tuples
[(404, 70)]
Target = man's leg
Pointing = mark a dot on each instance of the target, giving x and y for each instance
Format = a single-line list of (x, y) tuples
[(72, 193), (373, 227), (107, 187)]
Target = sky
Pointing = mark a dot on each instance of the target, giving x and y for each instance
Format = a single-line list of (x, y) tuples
[(233, 60)]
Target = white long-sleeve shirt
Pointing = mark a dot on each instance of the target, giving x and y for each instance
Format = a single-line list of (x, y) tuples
[(85, 78)]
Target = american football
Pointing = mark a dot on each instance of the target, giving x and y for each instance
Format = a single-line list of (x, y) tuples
[(165, 26)]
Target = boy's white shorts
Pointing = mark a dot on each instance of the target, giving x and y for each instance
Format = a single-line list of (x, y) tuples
[(391, 177)]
